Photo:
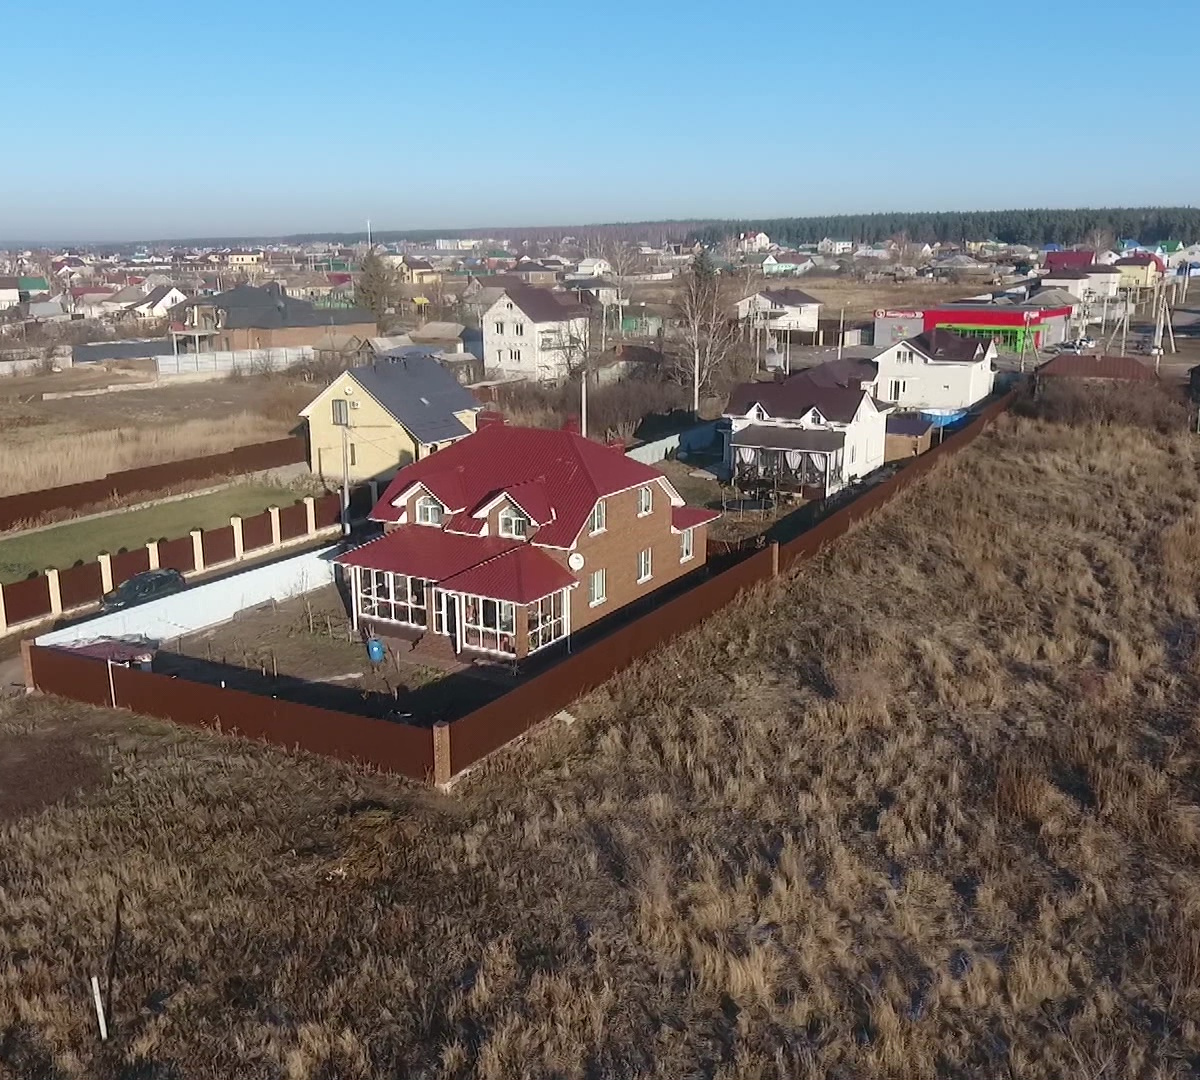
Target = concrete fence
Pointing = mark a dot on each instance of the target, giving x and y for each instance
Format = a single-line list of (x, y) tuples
[(219, 365), (700, 437), (206, 605)]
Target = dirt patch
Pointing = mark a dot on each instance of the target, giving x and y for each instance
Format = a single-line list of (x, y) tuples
[(41, 768)]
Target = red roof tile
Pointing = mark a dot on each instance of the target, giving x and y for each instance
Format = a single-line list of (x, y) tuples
[(521, 575), (425, 552), (571, 472), (688, 517)]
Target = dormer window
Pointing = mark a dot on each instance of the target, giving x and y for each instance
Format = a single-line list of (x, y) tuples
[(513, 524), (429, 511)]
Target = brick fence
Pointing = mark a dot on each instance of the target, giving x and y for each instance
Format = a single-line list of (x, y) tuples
[(446, 751), (31, 505)]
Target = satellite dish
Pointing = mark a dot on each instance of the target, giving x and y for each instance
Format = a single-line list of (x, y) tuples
[(575, 562)]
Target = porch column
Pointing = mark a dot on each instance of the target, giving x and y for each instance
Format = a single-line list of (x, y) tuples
[(458, 621), (355, 590)]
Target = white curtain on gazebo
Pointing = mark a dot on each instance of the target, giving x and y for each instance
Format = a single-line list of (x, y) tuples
[(745, 454), (794, 458)]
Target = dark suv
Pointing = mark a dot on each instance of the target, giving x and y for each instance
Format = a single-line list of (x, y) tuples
[(141, 588)]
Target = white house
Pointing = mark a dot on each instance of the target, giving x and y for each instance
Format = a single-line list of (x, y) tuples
[(810, 434), (1103, 282), (835, 247), (937, 372), (10, 292), (748, 242), (533, 333), (593, 268), (1074, 282), (157, 303), (781, 309)]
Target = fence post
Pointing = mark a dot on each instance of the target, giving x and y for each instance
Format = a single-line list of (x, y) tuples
[(3, 616), (239, 544), (27, 662), (55, 592), (106, 581), (152, 551), (441, 753), (276, 532), (374, 486), (774, 558), (198, 550), (310, 514)]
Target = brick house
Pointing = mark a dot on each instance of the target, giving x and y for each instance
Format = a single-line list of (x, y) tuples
[(249, 317), (513, 538)]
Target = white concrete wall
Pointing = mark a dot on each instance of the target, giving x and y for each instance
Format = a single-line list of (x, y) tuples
[(218, 365), (205, 605), (539, 344), (932, 385)]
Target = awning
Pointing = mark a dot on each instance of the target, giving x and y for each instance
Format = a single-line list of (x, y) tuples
[(766, 437)]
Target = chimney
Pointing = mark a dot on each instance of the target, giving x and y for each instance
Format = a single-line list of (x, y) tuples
[(571, 424), (488, 419)]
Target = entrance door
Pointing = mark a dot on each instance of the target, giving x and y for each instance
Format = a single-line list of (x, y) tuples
[(445, 614)]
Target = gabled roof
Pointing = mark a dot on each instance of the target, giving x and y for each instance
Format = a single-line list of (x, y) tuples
[(419, 393), (1069, 260), (787, 297), (831, 392), (542, 305), (945, 346), (154, 296), (571, 472), (1143, 258), (271, 308), (523, 574)]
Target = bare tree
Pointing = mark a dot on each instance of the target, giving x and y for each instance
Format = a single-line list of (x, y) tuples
[(1100, 239), (626, 260), (706, 324), (376, 288)]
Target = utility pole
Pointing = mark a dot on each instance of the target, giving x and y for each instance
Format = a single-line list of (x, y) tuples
[(346, 477), (583, 418), (841, 330)]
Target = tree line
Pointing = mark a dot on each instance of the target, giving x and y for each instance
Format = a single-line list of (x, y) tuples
[(1149, 224)]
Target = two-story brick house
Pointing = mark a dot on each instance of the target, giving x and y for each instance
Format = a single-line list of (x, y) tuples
[(534, 333), (513, 538)]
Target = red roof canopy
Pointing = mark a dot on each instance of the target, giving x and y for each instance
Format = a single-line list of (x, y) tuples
[(688, 517)]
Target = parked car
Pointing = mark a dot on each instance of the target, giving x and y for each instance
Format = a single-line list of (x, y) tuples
[(142, 588)]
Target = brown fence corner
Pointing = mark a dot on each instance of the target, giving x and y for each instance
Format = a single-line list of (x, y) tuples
[(442, 769)]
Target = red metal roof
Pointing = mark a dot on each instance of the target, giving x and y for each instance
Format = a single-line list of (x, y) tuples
[(560, 472), (521, 575), (1069, 260), (1073, 366), (688, 517), (426, 552)]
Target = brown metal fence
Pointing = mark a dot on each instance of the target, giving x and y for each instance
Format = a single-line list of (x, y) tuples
[(30, 505), (25, 600), (80, 585), (128, 563), (293, 521), (178, 554), (394, 747), (218, 545), (256, 532)]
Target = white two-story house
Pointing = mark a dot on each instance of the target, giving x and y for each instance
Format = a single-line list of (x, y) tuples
[(808, 435), (780, 309), (532, 333), (939, 373)]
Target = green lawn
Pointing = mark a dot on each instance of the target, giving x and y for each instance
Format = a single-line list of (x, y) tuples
[(64, 545)]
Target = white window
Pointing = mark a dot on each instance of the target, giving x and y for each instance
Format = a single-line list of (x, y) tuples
[(895, 388), (645, 565), (599, 517), (597, 587), (513, 524), (514, 355), (395, 597), (686, 545), (429, 511), (519, 329), (499, 328), (547, 623), (905, 356), (509, 305), (341, 412), (490, 625), (645, 501), (853, 451)]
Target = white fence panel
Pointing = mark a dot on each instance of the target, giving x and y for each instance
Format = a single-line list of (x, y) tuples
[(217, 364), (205, 605)]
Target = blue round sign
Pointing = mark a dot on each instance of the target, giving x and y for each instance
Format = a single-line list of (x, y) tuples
[(376, 651)]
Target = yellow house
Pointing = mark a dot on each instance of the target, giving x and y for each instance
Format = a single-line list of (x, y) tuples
[(374, 419), (1139, 271)]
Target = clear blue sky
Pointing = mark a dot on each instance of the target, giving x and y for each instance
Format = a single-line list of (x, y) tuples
[(147, 120)]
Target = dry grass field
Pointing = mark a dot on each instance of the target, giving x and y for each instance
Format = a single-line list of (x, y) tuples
[(927, 808)]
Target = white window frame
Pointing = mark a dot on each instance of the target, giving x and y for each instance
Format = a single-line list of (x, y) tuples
[(514, 356), (499, 327), (597, 597), (487, 625), (598, 522), (513, 524), (897, 387), (687, 545), (645, 565), (546, 620), (396, 598), (645, 501), (518, 329), (422, 511)]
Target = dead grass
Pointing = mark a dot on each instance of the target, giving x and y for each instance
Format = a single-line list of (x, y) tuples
[(927, 808), (89, 455)]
